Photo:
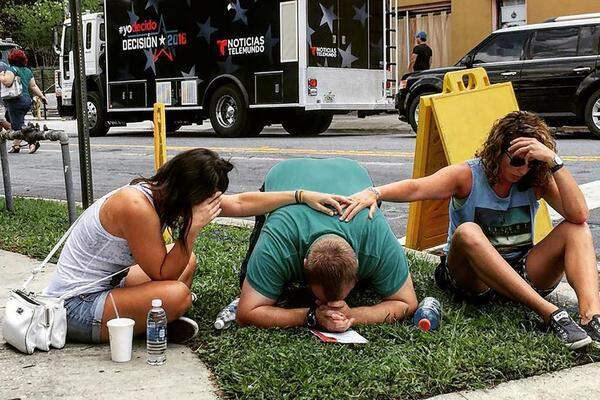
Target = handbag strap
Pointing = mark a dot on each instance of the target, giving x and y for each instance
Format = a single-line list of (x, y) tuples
[(70, 293), (40, 267)]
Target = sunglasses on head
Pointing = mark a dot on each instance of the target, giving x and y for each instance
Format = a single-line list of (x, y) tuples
[(519, 161)]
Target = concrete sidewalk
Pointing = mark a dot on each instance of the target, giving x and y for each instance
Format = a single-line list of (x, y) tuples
[(580, 383), (85, 371)]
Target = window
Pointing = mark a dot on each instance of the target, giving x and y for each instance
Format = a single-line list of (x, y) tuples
[(288, 24), (503, 47), (68, 39), (588, 41), (555, 43), (102, 33), (88, 36)]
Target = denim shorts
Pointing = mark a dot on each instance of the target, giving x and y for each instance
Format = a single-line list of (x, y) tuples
[(84, 317), (445, 280)]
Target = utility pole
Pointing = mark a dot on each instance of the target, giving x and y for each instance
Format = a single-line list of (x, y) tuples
[(80, 98)]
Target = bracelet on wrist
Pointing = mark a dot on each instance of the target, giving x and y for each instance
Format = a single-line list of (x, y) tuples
[(298, 196), (377, 192)]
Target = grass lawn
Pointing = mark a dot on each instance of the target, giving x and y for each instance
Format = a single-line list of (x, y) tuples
[(474, 348)]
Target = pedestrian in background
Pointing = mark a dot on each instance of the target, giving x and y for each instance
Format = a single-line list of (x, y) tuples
[(420, 59), (4, 124), (20, 106)]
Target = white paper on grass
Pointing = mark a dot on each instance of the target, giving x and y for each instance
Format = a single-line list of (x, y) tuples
[(350, 336)]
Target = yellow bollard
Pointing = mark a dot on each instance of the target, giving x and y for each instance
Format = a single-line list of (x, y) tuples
[(160, 136), (160, 149)]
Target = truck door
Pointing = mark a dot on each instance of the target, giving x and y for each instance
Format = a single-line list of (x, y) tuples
[(89, 47), (323, 33), (354, 33)]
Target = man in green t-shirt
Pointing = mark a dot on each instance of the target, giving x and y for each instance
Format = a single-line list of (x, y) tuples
[(299, 245)]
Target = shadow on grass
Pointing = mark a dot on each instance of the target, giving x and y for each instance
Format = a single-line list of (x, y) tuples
[(474, 348)]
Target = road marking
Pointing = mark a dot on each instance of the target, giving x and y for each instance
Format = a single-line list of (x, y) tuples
[(591, 191), (291, 150)]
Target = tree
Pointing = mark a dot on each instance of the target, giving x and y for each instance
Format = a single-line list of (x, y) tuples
[(31, 22)]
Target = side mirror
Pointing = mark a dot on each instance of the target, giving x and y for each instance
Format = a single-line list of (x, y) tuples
[(56, 36), (469, 61)]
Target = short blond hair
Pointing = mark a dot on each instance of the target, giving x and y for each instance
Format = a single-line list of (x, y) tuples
[(331, 263)]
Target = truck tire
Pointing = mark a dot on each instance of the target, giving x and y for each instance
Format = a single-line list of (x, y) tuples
[(96, 115), (229, 116), (413, 110), (592, 114), (307, 124)]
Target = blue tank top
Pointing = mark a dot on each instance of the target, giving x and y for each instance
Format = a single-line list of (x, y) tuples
[(506, 221)]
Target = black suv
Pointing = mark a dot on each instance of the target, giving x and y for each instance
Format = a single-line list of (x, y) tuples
[(554, 68)]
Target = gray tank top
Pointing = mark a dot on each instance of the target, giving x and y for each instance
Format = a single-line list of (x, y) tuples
[(91, 253), (506, 221)]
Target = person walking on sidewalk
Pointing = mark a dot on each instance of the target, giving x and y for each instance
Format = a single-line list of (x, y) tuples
[(20, 106), (125, 228), (493, 201), (4, 123), (420, 59)]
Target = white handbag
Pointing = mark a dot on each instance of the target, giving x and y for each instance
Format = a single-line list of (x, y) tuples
[(33, 321), (13, 91)]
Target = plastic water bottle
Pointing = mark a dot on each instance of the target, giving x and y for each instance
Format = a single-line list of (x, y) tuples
[(156, 334), (428, 315), (227, 315)]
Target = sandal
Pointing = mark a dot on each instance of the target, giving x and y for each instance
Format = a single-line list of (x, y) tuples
[(14, 149), (34, 147)]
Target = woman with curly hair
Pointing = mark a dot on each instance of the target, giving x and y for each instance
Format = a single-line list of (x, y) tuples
[(493, 201)]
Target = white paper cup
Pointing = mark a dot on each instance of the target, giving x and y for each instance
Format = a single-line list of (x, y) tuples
[(120, 331)]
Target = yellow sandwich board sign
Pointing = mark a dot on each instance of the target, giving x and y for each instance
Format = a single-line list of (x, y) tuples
[(452, 126)]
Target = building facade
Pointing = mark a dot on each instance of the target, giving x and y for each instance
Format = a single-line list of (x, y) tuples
[(455, 26)]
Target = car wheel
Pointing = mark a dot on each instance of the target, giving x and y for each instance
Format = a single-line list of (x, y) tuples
[(413, 110), (96, 115), (592, 114), (229, 116)]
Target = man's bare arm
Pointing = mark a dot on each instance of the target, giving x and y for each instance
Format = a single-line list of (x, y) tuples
[(393, 308), (258, 310)]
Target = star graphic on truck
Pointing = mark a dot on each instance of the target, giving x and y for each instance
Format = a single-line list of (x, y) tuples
[(361, 14), (240, 13), (347, 57), (152, 3), (328, 17), (168, 51), (309, 33), (206, 30), (133, 18)]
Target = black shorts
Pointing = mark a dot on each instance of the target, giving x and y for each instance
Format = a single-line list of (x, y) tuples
[(445, 280)]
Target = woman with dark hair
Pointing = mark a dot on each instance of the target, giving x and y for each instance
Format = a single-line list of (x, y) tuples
[(493, 201), (20, 106), (125, 228)]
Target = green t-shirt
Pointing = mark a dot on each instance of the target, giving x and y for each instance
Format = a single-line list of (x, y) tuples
[(26, 76), (289, 231)]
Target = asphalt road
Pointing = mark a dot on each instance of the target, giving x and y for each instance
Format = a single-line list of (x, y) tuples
[(382, 144)]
